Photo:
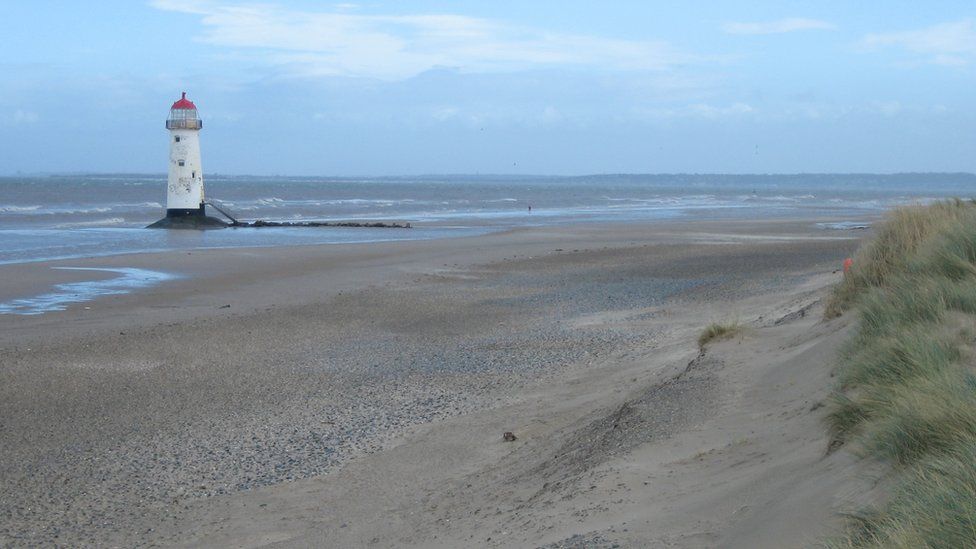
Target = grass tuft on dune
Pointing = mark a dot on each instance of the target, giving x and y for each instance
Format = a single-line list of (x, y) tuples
[(720, 330), (907, 386)]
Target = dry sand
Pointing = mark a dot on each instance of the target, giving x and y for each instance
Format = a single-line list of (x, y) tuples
[(356, 396)]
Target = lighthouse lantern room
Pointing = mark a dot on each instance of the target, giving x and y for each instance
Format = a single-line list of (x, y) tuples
[(184, 196)]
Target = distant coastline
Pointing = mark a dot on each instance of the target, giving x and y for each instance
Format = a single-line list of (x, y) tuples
[(502, 175)]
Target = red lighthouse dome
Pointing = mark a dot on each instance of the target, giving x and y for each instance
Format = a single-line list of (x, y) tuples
[(184, 103)]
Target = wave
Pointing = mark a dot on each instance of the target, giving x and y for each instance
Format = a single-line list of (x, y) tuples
[(781, 198), (659, 198), (271, 201), (40, 210), (845, 225), (19, 209), (276, 202), (93, 223), (663, 202), (776, 198)]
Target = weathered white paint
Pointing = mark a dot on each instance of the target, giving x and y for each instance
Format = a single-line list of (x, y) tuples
[(185, 184)]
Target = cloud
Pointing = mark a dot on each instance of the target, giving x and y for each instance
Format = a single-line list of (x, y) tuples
[(698, 110), (888, 108), (318, 43), (198, 7), (20, 117), (780, 26), (950, 44)]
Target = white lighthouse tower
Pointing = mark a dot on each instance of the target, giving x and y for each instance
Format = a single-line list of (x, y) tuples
[(184, 190), (184, 196)]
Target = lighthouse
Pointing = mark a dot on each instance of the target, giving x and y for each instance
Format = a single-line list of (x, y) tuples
[(184, 186)]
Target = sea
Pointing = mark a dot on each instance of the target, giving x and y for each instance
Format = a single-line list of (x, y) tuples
[(73, 216)]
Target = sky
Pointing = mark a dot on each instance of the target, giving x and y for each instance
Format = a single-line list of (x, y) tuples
[(492, 87)]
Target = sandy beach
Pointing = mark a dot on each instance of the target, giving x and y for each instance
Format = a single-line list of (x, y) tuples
[(356, 395)]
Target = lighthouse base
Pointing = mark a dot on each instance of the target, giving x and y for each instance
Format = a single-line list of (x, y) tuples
[(187, 212), (179, 218)]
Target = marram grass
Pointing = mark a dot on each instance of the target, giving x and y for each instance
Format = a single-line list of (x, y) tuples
[(719, 331), (906, 389), (894, 246), (933, 506)]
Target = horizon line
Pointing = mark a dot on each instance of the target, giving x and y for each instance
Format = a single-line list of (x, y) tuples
[(476, 174)]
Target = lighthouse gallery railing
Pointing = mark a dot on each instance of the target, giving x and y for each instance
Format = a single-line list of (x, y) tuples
[(185, 124)]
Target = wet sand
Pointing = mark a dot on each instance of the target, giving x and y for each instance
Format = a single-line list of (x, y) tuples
[(330, 395)]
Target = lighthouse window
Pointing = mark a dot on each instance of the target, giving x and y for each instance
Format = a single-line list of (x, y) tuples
[(181, 162), (177, 138)]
